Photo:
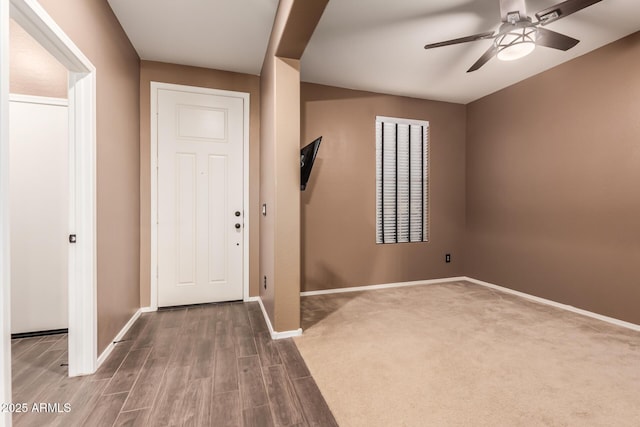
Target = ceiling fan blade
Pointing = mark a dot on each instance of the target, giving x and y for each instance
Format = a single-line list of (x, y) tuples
[(484, 58), (481, 36), (561, 10), (555, 40)]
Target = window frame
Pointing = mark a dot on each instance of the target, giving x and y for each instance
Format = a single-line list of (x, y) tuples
[(380, 125)]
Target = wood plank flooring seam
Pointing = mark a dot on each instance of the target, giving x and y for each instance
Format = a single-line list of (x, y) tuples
[(285, 398), (259, 328), (107, 407), (262, 368), (137, 409), (293, 376), (120, 350), (296, 396), (139, 370), (245, 385), (24, 345), (134, 418), (156, 390), (292, 359)]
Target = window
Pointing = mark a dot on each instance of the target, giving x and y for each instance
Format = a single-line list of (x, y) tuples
[(401, 180)]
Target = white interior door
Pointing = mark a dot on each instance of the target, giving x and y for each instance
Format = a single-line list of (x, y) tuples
[(39, 187), (200, 198)]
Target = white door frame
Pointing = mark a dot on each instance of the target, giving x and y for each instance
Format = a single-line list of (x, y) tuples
[(5, 262), (82, 185), (155, 86)]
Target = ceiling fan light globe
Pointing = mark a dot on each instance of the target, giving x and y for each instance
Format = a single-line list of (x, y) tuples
[(517, 43), (516, 51)]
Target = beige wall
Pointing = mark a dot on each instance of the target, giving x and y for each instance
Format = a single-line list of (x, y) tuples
[(95, 30), (32, 70), (287, 197), (278, 91), (553, 168), (201, 77), (267, 186), (280, 228), (338, 207), (280, 160)]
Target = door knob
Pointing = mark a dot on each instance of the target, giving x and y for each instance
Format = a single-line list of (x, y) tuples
[(237, 213), (238, 226)]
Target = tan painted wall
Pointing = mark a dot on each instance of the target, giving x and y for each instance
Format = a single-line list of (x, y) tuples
[(280, 160), (95, 30), (32, 70), (275, 94), (200, 77), (338, 207), (553, 168), (267, 184), (279, 238), (287, 197)]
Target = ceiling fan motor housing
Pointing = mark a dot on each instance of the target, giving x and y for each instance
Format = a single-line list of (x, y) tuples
[(510, 9)]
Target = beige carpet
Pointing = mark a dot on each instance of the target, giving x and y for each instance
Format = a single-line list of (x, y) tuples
[(459, 354)]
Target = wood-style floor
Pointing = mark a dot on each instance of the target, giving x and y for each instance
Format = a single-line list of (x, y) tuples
[(210, 365)]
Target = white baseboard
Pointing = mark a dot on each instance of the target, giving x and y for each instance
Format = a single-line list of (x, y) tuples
[(107, 351), (148, 309), (540, 300), (275, 335), (286, 334), (382, 286), (566, 307)]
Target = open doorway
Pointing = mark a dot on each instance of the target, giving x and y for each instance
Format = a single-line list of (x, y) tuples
[(39, 191), (81, 139), (39, 217)]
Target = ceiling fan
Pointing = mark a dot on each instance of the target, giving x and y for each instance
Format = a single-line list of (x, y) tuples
[(518, 34)]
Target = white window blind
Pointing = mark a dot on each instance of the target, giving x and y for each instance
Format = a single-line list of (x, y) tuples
[(401, 180)]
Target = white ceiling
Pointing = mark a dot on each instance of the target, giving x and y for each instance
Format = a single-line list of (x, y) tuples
[(230, 35), (374, 45)]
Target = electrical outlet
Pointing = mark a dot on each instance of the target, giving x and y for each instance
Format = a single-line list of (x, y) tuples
[(264, 281), (447, 258)]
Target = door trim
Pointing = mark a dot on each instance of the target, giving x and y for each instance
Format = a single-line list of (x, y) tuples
[(82, 167), (155, 86), (41, 100), (5, 244)]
